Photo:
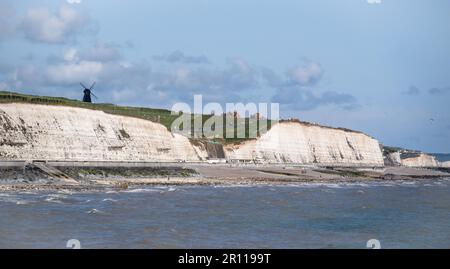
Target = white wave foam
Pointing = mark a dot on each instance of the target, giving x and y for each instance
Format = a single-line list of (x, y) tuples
[(111, 192), (56, 196), (23, 202), (109, 200), (53, 200), (95, 211), (142, 190)]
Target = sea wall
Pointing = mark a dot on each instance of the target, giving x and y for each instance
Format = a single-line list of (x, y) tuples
[(296, 142), (40, 132)]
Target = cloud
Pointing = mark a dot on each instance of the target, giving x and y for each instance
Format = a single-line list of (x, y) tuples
[(70, 55), (271, 78), (413, 90), (296, 98), (71, 73), (372, 2), (102, 63), (123, 81), (61, 75), (102, 52), (439, 91), (128, 82), (41, 25), (179, 57), (305, 75), (295, 90), (180, 83), (74, 1)]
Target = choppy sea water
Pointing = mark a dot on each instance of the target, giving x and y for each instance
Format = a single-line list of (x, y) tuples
[(398, 214)]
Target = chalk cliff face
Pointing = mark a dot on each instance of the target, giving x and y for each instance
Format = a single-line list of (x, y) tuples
[(294, 142), (30, 132), (420, 160), (392, 159), (409, 158), (40, 132)]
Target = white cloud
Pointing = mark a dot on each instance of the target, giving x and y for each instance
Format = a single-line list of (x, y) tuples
[(129, 82), (70, 55), (298, 98), (306, 75), (372, 2), (70, 73), (74, 1), (41, 25), (102, 52)]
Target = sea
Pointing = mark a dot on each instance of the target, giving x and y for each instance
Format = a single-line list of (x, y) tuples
[(395, 214)]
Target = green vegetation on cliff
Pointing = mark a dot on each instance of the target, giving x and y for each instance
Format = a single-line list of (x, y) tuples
[(163, 116)]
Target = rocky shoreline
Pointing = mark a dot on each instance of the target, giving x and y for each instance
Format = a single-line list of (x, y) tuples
[(32, 177)]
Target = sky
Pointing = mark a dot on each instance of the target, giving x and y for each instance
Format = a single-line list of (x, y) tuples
[(377, 66)]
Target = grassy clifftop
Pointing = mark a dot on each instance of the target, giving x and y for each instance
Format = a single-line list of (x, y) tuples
[(162, 116), (157, 115)]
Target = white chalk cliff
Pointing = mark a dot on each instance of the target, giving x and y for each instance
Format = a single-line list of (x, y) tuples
[(410, 159), (421, 160), (40, 132), (295, 142)]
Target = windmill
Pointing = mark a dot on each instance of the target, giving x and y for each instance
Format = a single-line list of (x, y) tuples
[(87, 93)]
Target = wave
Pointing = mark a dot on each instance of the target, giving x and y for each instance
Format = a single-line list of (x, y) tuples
[(141, 190), (111, 192), (95, 211), (109, 200), (57, 196), (53, 200), (23, 202), (152, 189)]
